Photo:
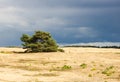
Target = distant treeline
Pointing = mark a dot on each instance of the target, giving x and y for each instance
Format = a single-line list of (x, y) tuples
[(118, 47), (13, 46)]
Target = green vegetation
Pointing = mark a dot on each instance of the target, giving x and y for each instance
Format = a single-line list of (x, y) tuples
[(90, 75), (83, 65), (13, 46), (85, 46), (61, 50), (93, 69), (108, 71), (66, 67), (39, 42), (63, 68)]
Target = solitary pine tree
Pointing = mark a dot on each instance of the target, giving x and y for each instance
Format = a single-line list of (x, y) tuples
[(39, 42)]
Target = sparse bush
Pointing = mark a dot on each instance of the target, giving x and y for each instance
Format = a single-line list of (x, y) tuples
[(93, 69), (66, 67), (61, 50), (83, 65), (108, 71)]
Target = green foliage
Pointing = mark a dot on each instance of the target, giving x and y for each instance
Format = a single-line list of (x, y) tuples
[(108, 71), (39, 42), (66, 67), (83, 65), (25, 38), (93, 69), (61, 50)]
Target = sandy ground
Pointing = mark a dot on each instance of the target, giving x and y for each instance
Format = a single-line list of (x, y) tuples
[(82, 65)]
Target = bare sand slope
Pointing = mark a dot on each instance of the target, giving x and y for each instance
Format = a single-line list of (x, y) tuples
[(74, 65)]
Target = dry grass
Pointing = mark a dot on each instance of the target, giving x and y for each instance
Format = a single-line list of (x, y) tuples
[(74, 65), (28, 68), (46, 74), (4, 65)]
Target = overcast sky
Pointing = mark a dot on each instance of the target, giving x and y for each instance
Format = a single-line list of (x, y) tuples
[(69, 21)]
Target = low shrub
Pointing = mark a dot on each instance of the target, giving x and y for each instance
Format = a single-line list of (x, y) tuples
[(66, 67), (61, 50), (83, 65), (108, 71)]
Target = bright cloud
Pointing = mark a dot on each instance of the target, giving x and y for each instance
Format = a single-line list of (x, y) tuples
[(9, 16)]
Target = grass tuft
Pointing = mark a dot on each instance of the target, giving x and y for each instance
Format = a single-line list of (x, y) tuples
[(66, 67), (108, 71), (83, 66)]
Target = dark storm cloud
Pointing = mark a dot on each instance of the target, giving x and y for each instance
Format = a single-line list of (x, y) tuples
[(69, 21)]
